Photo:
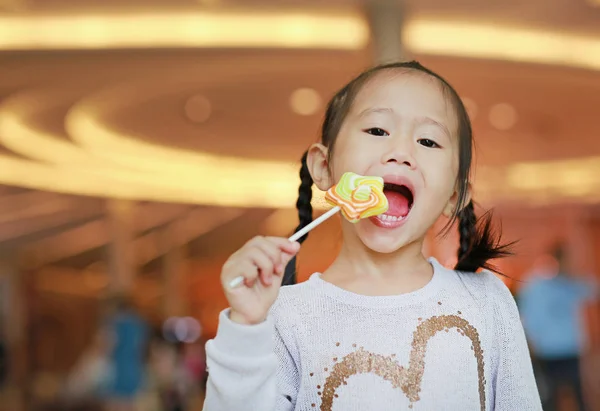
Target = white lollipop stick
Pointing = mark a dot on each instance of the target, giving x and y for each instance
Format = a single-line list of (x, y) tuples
[(237, 281), (316, 222)]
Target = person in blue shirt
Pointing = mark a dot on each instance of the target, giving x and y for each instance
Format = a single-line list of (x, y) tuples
[(130, 333), (551, 306)]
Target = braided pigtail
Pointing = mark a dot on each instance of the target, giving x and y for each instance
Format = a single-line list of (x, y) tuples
[(478, 242), (305, 214)]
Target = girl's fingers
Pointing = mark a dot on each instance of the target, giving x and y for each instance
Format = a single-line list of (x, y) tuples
[(282, 244), (285, 245), (262, 258), (280, 268), (286, 258), (264, 264), (269, 249), (281, 251), (243, 268)]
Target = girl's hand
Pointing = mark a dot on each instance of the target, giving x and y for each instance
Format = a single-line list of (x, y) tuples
[(261, 261)]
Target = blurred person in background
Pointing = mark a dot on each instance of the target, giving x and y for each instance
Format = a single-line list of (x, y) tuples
[(92, 376), (128, 355), (551, 306), (173, 374), (183, 382), (162, 367), (193, 373), (195, 364)]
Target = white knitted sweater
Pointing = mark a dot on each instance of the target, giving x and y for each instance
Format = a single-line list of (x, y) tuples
[(456, 344)]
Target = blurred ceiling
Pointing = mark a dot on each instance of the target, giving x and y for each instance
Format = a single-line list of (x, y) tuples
[(563, 14), (211, 136)]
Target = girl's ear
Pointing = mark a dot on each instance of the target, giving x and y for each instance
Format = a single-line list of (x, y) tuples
[(319, 167), (452, 202)]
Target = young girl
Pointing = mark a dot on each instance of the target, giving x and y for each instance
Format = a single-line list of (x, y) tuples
[(383, 328)]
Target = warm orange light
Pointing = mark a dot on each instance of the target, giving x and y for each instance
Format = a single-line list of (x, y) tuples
[(184, 29), (113, 165), (108, 164), (100, 161), (491, 40), (570, 177), (305, 101), (307, 28)]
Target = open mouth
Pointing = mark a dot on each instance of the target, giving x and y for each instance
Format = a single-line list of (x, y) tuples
[(400, 199)]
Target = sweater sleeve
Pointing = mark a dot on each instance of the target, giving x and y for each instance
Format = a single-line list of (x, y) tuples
[(515, 385), (249, 368)]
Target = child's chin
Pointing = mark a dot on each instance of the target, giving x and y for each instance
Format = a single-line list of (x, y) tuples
[(381, 244)]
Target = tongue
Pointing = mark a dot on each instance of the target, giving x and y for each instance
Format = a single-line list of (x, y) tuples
[(398, 204)]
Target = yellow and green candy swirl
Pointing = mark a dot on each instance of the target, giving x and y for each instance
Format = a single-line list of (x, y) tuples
[(358, 196)]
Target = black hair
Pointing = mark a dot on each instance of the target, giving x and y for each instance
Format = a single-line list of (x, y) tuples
[(305, 214), (479, 243)]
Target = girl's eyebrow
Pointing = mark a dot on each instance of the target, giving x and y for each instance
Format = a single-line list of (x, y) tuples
[(375, 110), (430, 121)]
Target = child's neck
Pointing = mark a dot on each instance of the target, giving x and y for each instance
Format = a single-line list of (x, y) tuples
[(364, 271)]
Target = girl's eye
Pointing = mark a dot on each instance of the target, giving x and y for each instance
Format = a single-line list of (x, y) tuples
[(375, 131), (429, 143)]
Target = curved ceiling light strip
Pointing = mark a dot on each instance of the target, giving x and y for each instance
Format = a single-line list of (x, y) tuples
[(33, 142), (60, 154), (217, 176), (40, 145), (249, 28), (39, 176), (128, 150), (86, 126), (83, 123), (66, 167), (110, 184), (491, 40)]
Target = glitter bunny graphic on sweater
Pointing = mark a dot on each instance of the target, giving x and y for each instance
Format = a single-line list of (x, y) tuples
[(408, 379)]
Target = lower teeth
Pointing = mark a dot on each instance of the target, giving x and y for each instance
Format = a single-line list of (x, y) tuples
[(385, 217)]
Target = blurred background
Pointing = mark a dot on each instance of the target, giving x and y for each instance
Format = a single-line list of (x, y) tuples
[(142, 142)]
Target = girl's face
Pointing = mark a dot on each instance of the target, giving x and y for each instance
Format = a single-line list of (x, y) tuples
[(402, 128)]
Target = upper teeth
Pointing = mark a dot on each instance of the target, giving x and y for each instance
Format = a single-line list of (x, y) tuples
[(385, 217)]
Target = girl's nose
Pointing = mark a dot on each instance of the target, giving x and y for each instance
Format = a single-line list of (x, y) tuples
[(400, 152)]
